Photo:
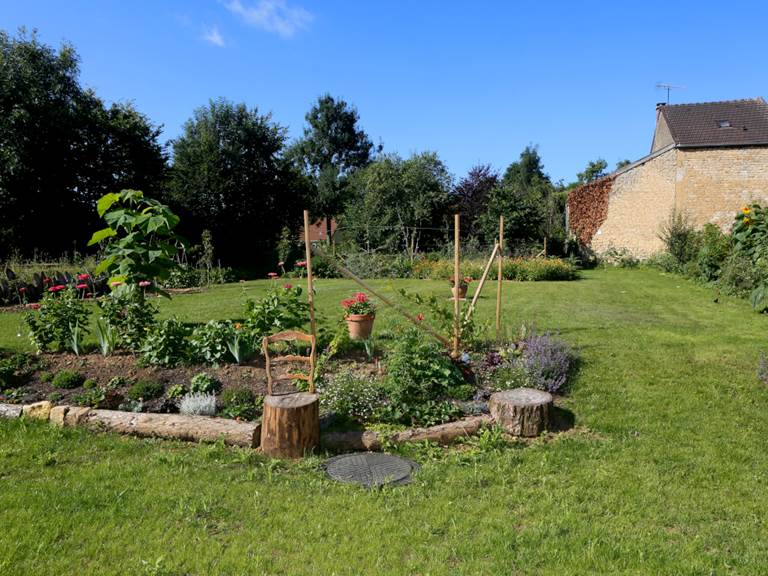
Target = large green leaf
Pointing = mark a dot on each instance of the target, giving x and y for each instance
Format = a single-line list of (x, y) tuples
[(101, 235), (105, 202)]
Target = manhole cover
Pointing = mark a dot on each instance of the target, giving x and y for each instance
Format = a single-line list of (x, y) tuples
[(370, 469)]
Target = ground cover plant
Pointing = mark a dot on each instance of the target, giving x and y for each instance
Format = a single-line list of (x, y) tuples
[(662, 473)]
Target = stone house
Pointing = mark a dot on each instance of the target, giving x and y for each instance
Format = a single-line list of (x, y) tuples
[(707, 161)]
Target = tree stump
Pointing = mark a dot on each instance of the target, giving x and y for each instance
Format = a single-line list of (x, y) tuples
[(290, 425), (522, 411)]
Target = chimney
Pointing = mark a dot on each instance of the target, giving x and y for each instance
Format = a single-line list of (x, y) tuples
[(660, 104)]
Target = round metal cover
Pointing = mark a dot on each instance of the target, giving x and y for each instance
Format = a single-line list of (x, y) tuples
[(370, 469)]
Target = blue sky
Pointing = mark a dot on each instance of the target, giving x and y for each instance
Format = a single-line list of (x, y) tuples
[(474, 81)]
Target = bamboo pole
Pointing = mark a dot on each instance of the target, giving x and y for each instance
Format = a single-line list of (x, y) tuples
[(482, 281), (310, 289), (419, 323), (456, 282), (498, 280)]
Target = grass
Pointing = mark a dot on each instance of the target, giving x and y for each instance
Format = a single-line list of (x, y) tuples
[(665, 472)]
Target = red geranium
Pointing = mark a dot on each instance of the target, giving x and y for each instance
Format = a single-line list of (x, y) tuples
[(302, 264), (82, 286), (287, 286), (358, 304), (57, 288), (83, 276)]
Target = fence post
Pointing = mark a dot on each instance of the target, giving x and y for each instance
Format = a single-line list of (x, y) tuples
[(456, 282), (310, 288), (498, 279)]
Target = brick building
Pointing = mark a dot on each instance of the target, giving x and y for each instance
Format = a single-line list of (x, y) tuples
[(706, 161)]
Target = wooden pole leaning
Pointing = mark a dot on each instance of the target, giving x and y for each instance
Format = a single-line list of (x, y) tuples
[(484, 277), (348, 274), (310, 290), (499, 276), (456, 282)]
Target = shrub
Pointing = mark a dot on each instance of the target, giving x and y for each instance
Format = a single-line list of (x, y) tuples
[(282, 308), (546, 361), (127, 312), (117, 382), (714, 249), (176, 391), (94, 398), (679, 237), (68, 379), (203, 383), (167, 344), (60, 314), (46, 377), (209, 342), (356, 397), (14, 370), (240, 403), (198, 403), (419, 376), (145, 390)]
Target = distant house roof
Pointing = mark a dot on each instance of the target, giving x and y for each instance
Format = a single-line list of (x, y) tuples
[(728, 123)]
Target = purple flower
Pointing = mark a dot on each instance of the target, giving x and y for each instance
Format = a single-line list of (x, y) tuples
[(546, 359)]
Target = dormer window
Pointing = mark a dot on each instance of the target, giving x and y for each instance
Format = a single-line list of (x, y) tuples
[(724, 124)]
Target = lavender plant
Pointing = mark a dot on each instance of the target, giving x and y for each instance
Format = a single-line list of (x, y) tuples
[(546, 360)]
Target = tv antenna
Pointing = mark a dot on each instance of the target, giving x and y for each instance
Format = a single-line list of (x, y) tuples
[(668, 88)]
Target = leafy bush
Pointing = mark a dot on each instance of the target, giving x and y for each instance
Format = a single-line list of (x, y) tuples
[(192, 277), (127, 312), (167, 344), (356, 397), (203, 383), (61, 313), (117, 382), (176, 391), (94, 398), (546, 360), (419, 378), (145, 390), (68, 379), (715, 247), (210, 342), (240, 403), (281, 309), (14, 370), (198, 403), (679, 237)]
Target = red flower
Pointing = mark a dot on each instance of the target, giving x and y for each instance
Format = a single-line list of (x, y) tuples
[(361, 297), (34, 306), (46, 280), (88, 295), (82, 286), (22, 290), (272, 274), (302, 264), (420, 317), (348, 302), (287, 286), (83, 276), (57, 288)]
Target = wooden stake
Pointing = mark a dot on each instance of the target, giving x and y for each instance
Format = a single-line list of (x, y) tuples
[(419, 323), (498, 280), (456, 282), (310, 289), (482, 281)]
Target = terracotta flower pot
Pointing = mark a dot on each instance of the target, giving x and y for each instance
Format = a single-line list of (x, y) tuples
[(360, 326), (462, 291)]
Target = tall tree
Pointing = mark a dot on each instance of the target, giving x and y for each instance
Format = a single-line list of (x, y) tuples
[(229, 176), (594, 170), (61, 148), (332, 148), (472, 193), (399, 205)]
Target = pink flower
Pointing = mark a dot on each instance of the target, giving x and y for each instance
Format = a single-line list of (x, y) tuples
[(22, 290), (361, 297), (83, 276), (272, 274), (46, 280), (302, 264), (82, 286), (57, 288), (145, 283), (281, 263), (287, 286), (34, 306), (420, 317), (88, 295), (115, 284), (348, 302)]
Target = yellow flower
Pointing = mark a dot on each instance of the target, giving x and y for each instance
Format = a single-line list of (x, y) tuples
[(238, 326), (746, 210), (747, 221)]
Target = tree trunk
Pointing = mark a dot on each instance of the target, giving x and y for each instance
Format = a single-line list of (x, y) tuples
[(290, 426), (176, 426), (522, 411)]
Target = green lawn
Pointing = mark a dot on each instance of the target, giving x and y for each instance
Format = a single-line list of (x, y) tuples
[(665, 472)]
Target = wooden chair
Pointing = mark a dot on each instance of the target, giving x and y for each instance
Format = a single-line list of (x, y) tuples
[(290, 336)]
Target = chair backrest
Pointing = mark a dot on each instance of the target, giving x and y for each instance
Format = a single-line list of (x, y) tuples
[(290, 336)]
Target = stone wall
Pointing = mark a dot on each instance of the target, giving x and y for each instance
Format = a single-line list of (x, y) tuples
[(641, 198), (712, 184)]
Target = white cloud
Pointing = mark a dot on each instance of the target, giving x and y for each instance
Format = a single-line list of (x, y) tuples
[(272, 15), (213, 36)]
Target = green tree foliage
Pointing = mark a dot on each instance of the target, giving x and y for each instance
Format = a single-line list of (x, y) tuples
[(393, 200), (332, 148), (527, 199), (594, 170), (61, 148), (229, 176), (472, 193), (621, 163)]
